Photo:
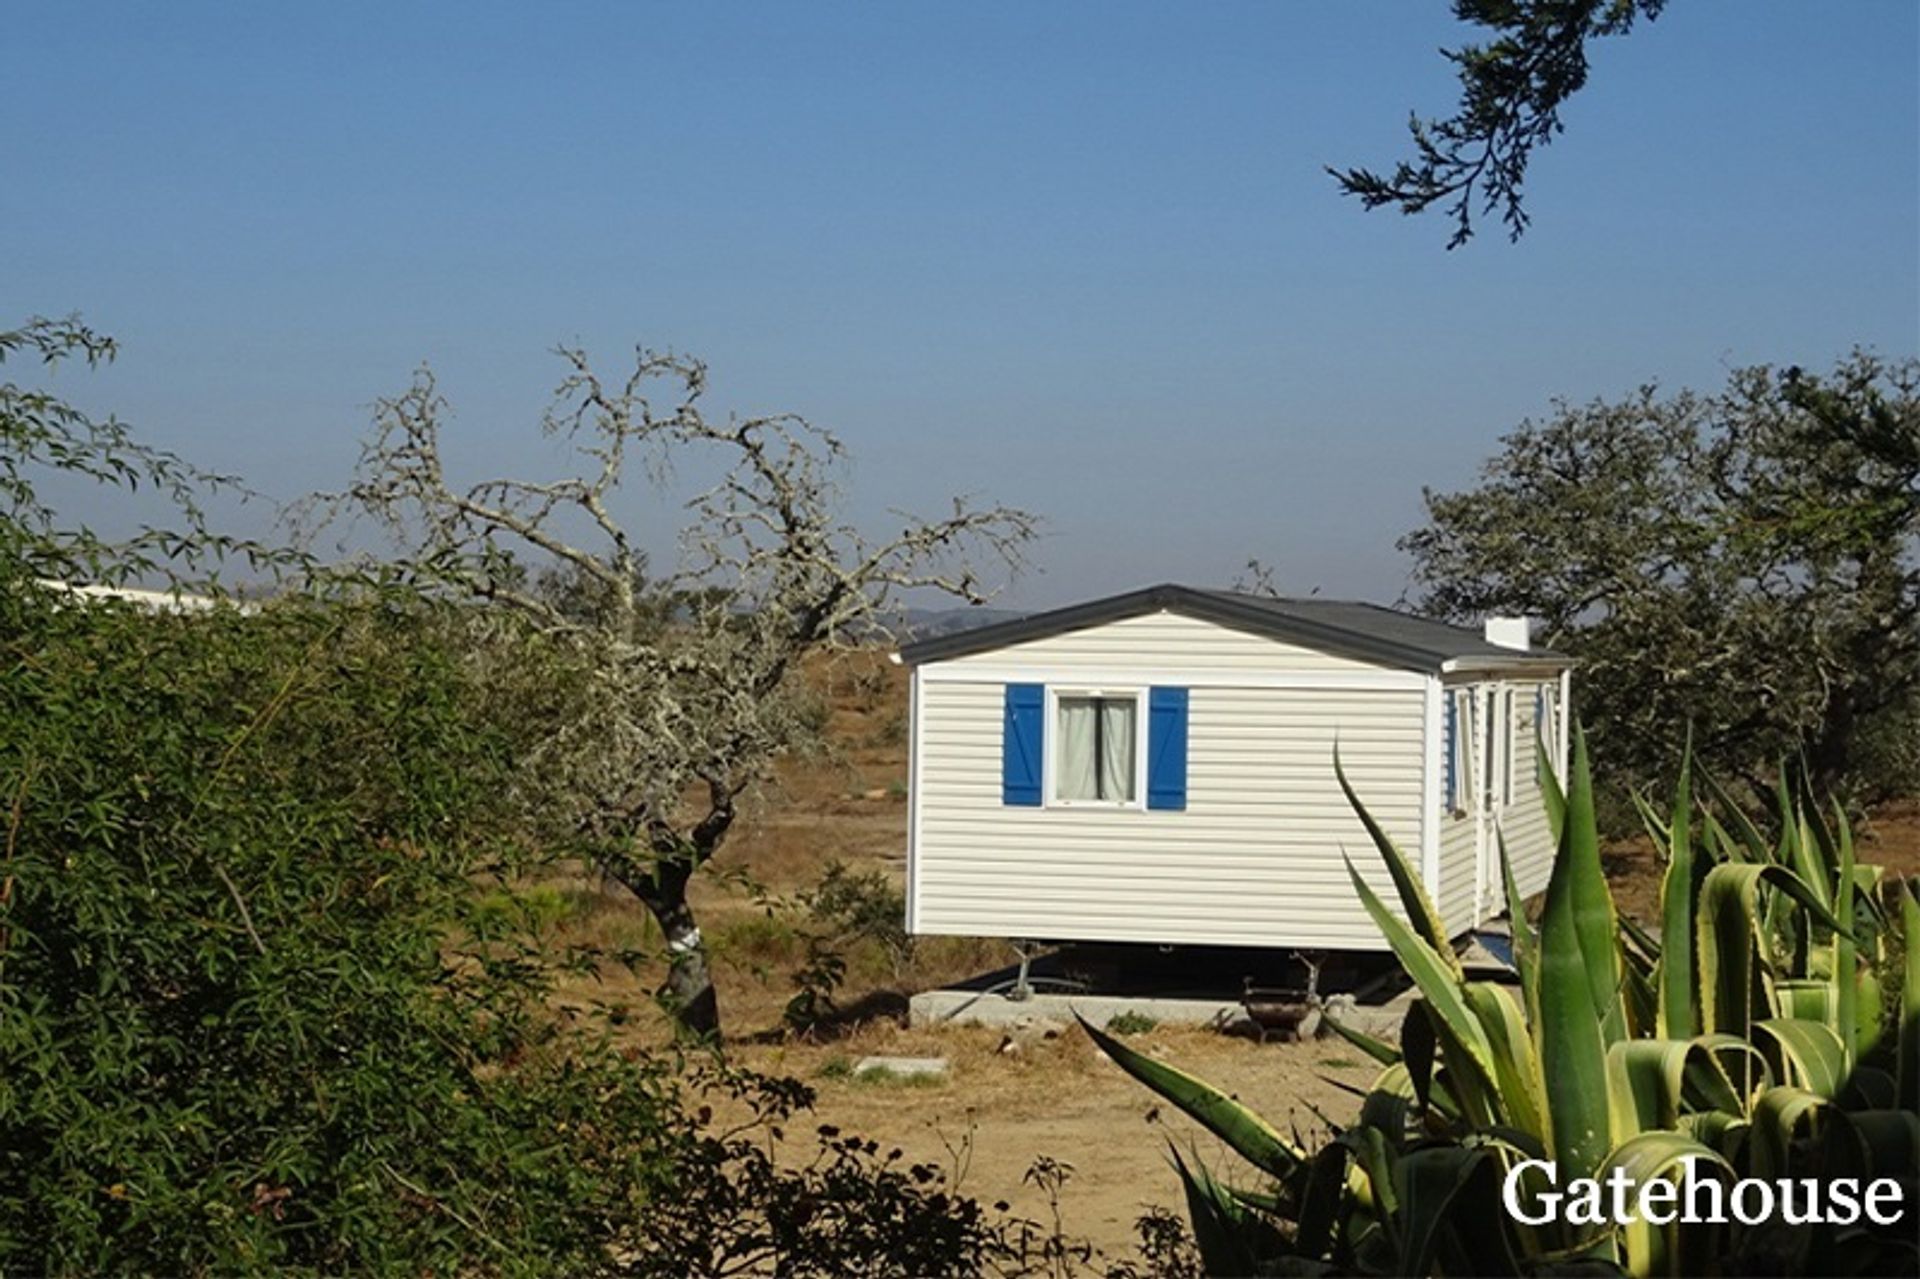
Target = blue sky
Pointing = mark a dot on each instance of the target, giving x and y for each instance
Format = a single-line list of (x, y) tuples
[(1079, 258)]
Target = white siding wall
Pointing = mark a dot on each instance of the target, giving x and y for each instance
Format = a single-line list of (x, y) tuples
[(1255, 858), (1529, 841), (1458, 854)]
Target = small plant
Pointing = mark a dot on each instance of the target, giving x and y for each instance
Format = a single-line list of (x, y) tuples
[(892, 730), (838, 1066), (816, 980), (853, 906), (887, 1077), (1130, 1022)]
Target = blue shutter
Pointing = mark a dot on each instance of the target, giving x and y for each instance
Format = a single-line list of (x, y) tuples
[(1020, 743), (1449, 750), (1167, 749)]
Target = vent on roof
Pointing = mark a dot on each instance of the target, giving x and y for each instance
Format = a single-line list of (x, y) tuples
[(1510, 632)]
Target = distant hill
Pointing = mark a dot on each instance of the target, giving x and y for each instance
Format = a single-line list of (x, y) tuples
[(926, 623)]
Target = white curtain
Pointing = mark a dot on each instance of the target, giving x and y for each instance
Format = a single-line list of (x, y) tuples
[(1116, 742), (1074, 766), (1094, 757)]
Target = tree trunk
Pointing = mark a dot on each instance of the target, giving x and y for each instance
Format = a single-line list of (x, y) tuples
[(688, 990)]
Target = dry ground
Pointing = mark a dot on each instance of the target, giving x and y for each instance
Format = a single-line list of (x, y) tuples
[(998, 1111)]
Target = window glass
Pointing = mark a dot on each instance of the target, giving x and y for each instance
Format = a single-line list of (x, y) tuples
[(1096, 751)]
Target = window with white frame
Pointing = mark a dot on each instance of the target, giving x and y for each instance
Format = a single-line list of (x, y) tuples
[(1460, 739), (1096, 746)]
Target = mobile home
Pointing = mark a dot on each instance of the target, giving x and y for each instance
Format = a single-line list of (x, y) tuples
[(1158, 767)]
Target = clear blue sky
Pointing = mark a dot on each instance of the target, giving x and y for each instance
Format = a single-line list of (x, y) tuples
[(1081, 258)]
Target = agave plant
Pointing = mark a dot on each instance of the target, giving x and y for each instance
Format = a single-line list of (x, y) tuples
[(1741, 1040)]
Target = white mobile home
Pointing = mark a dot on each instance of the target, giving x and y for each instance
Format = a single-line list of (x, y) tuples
[(1158, 768)]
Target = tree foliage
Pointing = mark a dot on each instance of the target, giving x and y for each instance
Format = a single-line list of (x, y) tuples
[(42, 434), (1746, 562), (1511, 93), (687, 683)]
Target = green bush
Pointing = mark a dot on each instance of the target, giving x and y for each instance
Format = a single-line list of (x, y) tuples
[(1130, 1023), (266, 1001)]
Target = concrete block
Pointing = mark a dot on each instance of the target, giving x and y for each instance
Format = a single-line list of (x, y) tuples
[(903, 1066)]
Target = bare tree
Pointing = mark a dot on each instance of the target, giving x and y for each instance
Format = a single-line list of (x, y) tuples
[(686, 685)]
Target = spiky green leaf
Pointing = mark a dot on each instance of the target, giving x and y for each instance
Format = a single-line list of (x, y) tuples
[(1253, 1138)]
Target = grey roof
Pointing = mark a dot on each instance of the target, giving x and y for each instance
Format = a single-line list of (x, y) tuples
[(1370, 632)]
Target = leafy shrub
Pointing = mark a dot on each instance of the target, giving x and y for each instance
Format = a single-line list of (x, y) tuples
[(817, 981), (854, 906), (1130, 1023)]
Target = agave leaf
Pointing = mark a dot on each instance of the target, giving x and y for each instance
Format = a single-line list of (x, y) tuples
[(1252, 1137), (1676, 1020), (1526, 942), (1419, 1043), (1810, 1053), (1719, 845), (1516, 1068), (1657, 829), (1552, 798), (1267, 1201), (1908, 1051), (1869, 1088), (1846, 959), (1777, 1117), (1657, 1250), (1223, 1231), (1428, 1182), (1589, 904), (1647, 1079), (1414, 902), (1439, 982), (1374, 1163), (1730, 938), (1389, 1105), (1569, 1031), (1890, 1139), (1807, 998), (1869, 1012), (1734, 1074), (1750, 841), (1321, 1195), (1638, 992), (1801, 848), (1378, 1049)]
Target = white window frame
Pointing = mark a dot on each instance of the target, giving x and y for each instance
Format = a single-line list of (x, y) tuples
[(1049, 794), (1546, 732), (1465, 777)]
